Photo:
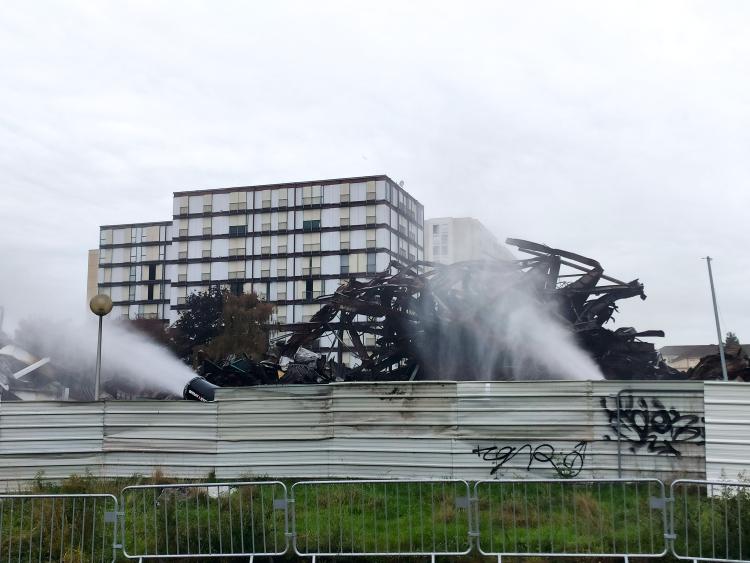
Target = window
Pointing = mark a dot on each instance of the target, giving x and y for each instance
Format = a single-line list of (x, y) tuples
[(281, 243), (206, 272), (237, 230), (181, 277), (371, 262), (283, 202), (311, 242), (183, 210), (150, 293), (207, 204), (236, 288), (265, 199), (236, 271), (311, 219), (152, 272), (281, 271), (370, 219), (344, 265), (344, 238), (237, 247), (344, 217), (371, 192), (237, 201), (312, 195), (131, 274), (181, 300), (265, 245), (265, 269), (436, 229), (265, 222), (308, 290), (283, 225), (311, 266), (131, 293), (371, 242), (206, 253), (206, 226), (345, 193)]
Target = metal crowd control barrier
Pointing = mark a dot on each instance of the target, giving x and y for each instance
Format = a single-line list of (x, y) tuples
[(58, 527), (381, 518), (700, 520), (710, 520), (571, 517), (202, 520)]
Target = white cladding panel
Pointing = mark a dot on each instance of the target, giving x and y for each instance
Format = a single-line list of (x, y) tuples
[(727, 424)]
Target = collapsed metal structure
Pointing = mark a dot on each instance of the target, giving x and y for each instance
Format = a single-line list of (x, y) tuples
[(430, 321)]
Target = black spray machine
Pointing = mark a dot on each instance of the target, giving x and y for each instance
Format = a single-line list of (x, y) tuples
[(198, 389)]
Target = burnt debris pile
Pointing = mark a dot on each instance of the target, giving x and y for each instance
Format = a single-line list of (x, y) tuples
[(540, 317)]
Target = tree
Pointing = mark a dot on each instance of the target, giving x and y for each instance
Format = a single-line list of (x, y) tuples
[(731, 339), (244, 328), (217, 323), (200, 323)]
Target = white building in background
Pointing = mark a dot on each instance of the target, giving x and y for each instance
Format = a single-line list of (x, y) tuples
[(454, 239), (289, 243)]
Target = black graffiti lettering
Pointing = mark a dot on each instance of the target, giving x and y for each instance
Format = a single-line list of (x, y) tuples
[(568, 464), (659, 429)]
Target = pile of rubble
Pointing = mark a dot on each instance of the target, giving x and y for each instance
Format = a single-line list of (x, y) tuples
[(425, 320)]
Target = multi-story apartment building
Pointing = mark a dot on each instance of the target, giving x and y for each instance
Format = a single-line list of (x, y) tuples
[(289, 243), (453, 239)]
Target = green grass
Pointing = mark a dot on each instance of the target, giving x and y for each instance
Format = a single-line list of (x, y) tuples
[(527, 517)]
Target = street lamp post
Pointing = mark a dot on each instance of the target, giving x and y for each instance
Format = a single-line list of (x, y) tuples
[(100, 305), (716, 316)]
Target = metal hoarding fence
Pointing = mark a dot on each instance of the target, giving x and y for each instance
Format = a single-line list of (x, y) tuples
[(58, 527), (710, 520), (381, 518), (571, 517), (201, 520)]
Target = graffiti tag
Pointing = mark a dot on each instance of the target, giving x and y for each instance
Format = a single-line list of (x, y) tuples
[(567, 464), (651, 425)]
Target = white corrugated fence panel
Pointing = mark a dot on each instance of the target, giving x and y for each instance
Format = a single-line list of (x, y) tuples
[(511, 429), (56, 438), (393, 430), (174, 437), (661, 429), (727, 430), (281, 431)]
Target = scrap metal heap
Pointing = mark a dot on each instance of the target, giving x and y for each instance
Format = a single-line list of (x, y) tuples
[(406, 324)]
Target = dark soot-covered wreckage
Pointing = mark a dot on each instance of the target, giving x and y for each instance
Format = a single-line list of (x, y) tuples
[(434, 325)]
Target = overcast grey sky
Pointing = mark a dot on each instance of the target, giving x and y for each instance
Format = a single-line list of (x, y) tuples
[(616, 130)]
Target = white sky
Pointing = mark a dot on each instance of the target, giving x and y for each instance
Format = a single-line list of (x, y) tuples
[(620, 131)]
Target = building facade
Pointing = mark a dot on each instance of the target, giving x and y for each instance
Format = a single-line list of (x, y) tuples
[(454, 239), (289, 243)]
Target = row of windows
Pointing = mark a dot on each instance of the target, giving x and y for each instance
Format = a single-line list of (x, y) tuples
[(310, 195), (238, 224)]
